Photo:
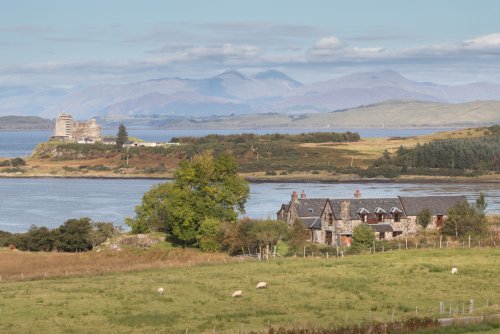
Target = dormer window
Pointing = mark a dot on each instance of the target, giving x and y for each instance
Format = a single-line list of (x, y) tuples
[(363, 214), (381, 213), (396, 214)]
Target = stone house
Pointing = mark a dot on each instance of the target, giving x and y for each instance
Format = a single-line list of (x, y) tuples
[(331, 221)]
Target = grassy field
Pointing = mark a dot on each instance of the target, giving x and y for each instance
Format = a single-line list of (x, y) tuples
[(302, 292)]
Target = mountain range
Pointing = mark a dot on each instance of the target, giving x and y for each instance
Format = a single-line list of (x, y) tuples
[(233, 93)]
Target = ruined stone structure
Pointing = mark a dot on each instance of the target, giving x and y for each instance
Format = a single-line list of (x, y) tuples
[(331, 221), (67, 129)]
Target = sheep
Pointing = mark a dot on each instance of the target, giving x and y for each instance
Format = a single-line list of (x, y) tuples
[(237, 294), (161, 291), (454, 271), (261, 285)]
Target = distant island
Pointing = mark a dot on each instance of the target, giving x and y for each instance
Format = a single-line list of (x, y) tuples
[(12, 123), (467, 155)]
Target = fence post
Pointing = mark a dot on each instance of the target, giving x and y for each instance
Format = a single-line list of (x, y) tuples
[(469, 241), (440, 241), (471, 306), (441, 308), (373, 246), (304, 251)]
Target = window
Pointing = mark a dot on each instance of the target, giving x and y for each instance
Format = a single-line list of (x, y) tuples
[(396, 216), (330, 218), (381, 217)]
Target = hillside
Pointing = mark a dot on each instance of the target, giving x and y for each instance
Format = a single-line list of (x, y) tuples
[(389, 114), (25, 123)]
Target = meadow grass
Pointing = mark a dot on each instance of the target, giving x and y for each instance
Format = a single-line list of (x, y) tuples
[(311, 292)]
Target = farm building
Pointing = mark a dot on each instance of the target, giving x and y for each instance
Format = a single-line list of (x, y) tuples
[(331, 221)]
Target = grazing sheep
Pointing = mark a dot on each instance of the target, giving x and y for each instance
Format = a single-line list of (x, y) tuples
[(161, 291), (237, 294), (261, 285), (454, 271)]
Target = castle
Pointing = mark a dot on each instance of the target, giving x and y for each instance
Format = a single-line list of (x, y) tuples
[(68, 130)]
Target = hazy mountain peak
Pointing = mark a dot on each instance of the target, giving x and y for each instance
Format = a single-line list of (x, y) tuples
[(276, 75), (232, 74)]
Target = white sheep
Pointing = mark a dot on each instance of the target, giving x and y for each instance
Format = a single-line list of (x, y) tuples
[(161, 291), (454, 271), (261, 285), (237, 294)]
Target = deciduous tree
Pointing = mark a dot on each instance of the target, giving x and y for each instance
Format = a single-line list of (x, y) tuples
[(424, 218), (464, 220)]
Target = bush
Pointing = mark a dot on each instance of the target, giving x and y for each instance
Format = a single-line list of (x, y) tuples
[(271, 173), (16, 162), (362, 238)]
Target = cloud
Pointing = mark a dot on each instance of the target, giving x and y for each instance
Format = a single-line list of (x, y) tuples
[(195, 60), (328, 43), (483, 42)]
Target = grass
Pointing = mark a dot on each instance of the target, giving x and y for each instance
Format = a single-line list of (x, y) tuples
[(486, 327), (302, 292)]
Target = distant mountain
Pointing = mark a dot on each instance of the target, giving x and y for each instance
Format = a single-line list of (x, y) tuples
[(232, 92)]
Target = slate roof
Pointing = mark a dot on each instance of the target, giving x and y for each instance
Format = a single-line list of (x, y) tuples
[(312, 223), (284, 207), (310, 207), (370, 204), (438, 205), (381, 228)]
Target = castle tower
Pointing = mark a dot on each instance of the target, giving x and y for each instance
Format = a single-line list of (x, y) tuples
[(64, 126)]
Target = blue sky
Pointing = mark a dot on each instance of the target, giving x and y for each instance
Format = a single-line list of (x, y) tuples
[(87, 42)]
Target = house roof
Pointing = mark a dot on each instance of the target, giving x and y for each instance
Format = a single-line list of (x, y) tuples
[(369, 204), (312, 223), (381, 228), (284, 207), (310, 207), (437, 205)]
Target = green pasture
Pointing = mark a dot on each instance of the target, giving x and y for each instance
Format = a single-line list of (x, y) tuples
[(301, 292)]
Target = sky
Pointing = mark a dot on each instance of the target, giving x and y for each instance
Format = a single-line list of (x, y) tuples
[(67, 42)]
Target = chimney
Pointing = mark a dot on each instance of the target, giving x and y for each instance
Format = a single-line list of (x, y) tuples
[(357, 194), (303, 195), (295, 197)]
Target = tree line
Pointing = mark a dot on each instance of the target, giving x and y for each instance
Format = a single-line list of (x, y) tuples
[(311, 137), (75, 235)]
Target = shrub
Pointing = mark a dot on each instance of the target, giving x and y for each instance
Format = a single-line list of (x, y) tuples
[(362, 238), (16, 162), (271, 173)]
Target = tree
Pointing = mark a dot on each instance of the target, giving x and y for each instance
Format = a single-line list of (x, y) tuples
[(73, 235), (151, 215), (209, 235), (205, 187), (122, 136), (481, 203), (362, 238), (464, 220), (268, 232), (424, 218), (298, 235)]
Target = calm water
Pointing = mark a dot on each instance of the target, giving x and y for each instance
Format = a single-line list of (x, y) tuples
[(49, 202), (21, 143)]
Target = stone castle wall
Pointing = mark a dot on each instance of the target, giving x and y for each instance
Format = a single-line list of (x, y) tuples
[(68, 129)]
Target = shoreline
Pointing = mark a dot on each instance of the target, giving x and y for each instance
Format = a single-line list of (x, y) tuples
[(256, 179)]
